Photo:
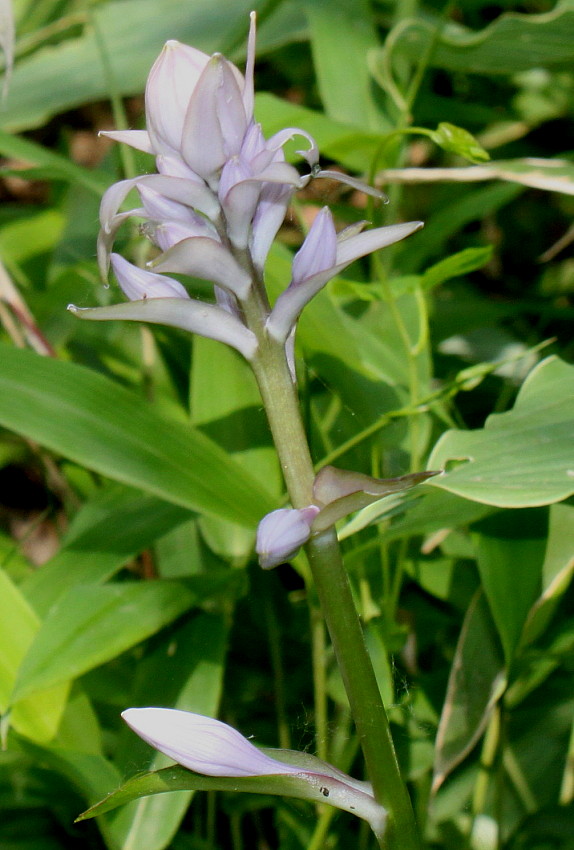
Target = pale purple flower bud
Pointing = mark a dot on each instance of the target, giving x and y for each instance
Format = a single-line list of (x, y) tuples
[(316, 263), (170, 86), (281, 533), (215, 121), (138, 284), (319, 250), (202, 744)]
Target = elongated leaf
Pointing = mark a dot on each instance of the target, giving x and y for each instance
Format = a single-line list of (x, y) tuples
[(557, 570), (476, 681), (511, 547), (133, 32), (95, 422), (509, 44), (520, 458), (91, 625), (180, 779), (553, 175), (347, 96), (106, 533), (36, 718)]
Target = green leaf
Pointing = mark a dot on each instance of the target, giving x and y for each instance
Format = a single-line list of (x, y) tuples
[(94, 421), (511, 547), (36, 718), (459, 141), (345, 87), (91, 625), (313, 789), (557, 571), (108, 531), (521, 458), (511, 43), (457, 265), (476, 682), (36, 91)]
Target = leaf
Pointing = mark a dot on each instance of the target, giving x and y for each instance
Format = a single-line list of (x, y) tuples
[(37, 92), (107, 532), (476, 682), (552, 175), (178, 778), (92, 420), (91, 625), (510, 550), (457, 265), (459, 141), (346, 96), (511, 43), (521, 458), (36, 718), (557, 571)]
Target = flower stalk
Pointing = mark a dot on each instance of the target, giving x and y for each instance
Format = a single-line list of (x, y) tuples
[(213, 211), (333, 589)]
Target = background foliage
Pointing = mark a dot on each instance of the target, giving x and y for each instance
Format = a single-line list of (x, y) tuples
[(136, 463)]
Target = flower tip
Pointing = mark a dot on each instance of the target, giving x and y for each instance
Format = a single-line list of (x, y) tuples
[(281, 533)]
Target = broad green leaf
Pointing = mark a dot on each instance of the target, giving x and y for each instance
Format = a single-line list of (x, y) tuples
[(96, 422), (557, 570), (107, 532), (511, 43), (536, 665), (185, 672), (133, 32), (91, 625), (431, 510), (510, 548), (521, 458), (37, 717), (476, 682), (346, 94)]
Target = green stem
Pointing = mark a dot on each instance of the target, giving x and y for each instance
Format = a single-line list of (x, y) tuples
[(334, 591), (319, 682)]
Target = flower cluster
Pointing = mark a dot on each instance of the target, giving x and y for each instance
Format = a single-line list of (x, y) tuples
[(215, 206)]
